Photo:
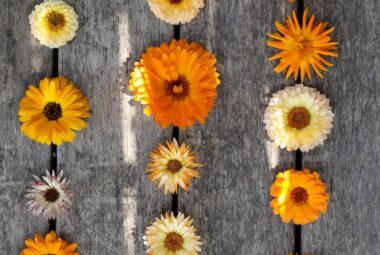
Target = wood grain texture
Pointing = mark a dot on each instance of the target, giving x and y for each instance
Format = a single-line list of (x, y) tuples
[(349, 161), (231, 202), (114, 201), (22, 62)]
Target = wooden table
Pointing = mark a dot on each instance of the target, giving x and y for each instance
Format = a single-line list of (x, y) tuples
[(114, 201)]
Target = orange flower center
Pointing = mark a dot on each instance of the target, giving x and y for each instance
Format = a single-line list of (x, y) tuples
[(299, 196), (174, 166), (51, 195), (299, 117), (173, 242), (55, 20), (175, 1), (178, 89), (52, 111), (303, 43)]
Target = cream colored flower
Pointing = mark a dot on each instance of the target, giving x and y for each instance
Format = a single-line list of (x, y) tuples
[(173, 165), (53, 23), (176, 11), (298, 117), (172, 235)]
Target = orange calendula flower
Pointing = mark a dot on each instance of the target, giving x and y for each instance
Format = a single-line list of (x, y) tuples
[(177, 82), (299, 196), (50, 112), (303, 47), (51, 244), (173, 165)]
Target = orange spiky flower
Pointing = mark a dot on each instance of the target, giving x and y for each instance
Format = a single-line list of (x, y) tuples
[(302, 47)]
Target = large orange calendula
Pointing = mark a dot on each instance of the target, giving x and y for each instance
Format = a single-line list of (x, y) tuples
[(177, 82)]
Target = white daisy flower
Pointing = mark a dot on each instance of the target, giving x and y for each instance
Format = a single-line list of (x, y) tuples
[(49, 196), (298, 117), (176, 11), (53, 23), (172, 235)]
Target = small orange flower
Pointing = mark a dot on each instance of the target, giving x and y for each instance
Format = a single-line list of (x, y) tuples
[(177, 82), (303, 47), (173, 165), (299, 196)]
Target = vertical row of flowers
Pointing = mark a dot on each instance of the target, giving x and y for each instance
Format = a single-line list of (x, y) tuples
[(299, 117), (50, 113), (177, 82)]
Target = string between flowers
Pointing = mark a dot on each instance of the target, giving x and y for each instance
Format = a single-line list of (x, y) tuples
[(53, 147), (175, 131), (298, 155)]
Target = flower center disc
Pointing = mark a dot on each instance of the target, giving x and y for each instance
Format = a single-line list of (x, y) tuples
[(299, 195), (299, 117), (51, 195), (174, 166), (178, 89), (173, 242), (52, 111), (303, 43), (55, 20), (175, 1)]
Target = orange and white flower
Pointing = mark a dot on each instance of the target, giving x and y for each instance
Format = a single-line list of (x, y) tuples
[(172, 166)]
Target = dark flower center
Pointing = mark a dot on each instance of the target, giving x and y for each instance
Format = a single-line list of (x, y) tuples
[(175, 1), (174, 166), (299, 196), (299, 117), (55, 20), (178, 89), (51, 195), (52, 111), (173, 242)]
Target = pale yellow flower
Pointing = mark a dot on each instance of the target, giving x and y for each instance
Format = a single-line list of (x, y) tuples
[(298, 117), (172, 235), (53, 23), (176, 11), (172, 166)]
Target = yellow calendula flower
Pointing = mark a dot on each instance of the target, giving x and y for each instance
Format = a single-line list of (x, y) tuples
[(50, 245), (176, 11), (303, 47), (50, 112), (172, 235), (299, 196), (173, 165), (53, 23), (177, 82), (298, 117)]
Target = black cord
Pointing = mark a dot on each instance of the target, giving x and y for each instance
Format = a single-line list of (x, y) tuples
[(53, 147), (175, 131), (299, 159)]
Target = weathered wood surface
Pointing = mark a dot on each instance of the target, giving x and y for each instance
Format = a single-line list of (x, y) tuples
[(114, 201), (22, 62)]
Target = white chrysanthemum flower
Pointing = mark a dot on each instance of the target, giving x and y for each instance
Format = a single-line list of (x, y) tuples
[(53, 23), (172, 235), (176, 11), (298, 117), (49, 196)]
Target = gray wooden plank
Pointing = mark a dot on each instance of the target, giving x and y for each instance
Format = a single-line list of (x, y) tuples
[(349, 161), (114, 201), (22, 62), (231, 202)]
